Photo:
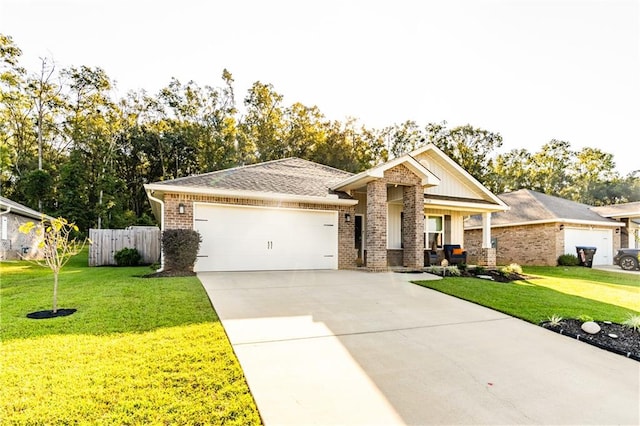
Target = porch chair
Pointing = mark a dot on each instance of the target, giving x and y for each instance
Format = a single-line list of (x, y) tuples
[(455, 254)]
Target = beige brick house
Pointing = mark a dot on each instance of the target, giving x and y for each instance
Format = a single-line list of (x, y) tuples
[(14, 244), (538, 228), (296, 214)]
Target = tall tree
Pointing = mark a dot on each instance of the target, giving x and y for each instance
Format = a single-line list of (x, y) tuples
[(92, 125), (263, 125), (511, 171), (471, 147), (404, 138), (548, 168)]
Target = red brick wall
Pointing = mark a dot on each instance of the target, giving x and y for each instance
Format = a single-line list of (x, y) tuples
[(346, 244)]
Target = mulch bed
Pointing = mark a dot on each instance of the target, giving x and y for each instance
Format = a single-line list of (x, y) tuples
[(627, 343), (50, 314)]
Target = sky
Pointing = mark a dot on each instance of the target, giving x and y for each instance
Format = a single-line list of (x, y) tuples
[(531, 70)]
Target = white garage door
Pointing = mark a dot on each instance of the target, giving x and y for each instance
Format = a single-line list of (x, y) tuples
[(239, 238), (601, 239)]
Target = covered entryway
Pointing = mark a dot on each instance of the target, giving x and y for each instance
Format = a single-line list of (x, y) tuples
[(247, 238), (601, 239)]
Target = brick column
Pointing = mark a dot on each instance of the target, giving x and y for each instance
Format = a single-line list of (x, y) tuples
[(413, 226), (377, 225), (487, 257)]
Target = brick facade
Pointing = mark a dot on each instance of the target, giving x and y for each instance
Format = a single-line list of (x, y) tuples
[(376, 228), (533, 245), (347, 253)]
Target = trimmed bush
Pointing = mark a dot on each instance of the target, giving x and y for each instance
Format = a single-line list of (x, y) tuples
[(513, 268), (180, 247), (568, 260), (127, 257)]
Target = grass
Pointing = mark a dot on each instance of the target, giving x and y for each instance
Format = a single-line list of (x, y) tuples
[(137, 351), (568, 292)]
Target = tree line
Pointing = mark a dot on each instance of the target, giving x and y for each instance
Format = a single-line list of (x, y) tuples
[(70, 147)]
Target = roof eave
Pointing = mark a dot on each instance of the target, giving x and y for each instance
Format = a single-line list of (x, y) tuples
[(553, 220), (466, 206), (330, 199)]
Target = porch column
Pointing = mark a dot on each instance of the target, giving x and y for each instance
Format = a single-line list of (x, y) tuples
[(487, 256), (377, 225), (413, 226)]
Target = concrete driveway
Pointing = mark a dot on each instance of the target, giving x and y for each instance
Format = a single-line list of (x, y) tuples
[(350, 347)]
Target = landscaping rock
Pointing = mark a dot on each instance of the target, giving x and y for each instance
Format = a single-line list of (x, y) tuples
[(590, 327)]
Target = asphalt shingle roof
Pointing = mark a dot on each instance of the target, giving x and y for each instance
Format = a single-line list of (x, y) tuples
[(287, 176), (631, 209), (18, 208), (531, 206)]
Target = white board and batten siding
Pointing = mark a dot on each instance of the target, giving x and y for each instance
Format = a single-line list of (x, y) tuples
[(105, 243), (249, 238), (601, 239)]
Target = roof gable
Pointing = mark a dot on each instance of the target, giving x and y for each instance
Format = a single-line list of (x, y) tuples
[(377, 172), (457, 183)]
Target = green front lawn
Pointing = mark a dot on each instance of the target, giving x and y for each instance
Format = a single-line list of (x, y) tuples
[(137, 351), (565, 291)]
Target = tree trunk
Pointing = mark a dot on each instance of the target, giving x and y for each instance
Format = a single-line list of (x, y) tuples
[(55, 292)]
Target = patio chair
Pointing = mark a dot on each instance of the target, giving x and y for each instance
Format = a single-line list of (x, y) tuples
[(455, 254), (430, 258)]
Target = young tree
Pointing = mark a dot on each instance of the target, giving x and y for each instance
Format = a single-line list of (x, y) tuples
[(56, 245)]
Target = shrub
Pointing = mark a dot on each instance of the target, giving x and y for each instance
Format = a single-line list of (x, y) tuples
[(568, 260), (127, 257), (180, 248), (555, 320), (514, 268), (633, 322)]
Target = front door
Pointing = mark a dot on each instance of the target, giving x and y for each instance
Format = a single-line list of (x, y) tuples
[(358, 239)]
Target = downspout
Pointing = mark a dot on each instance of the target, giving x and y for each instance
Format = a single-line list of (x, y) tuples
[(159, 201)]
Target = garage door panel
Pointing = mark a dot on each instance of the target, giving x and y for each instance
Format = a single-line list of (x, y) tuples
[(240, 238), (601, 239)]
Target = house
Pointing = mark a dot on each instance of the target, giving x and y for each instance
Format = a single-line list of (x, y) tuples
[(14, 244), (539, 228), (629, 215), (296, 214)]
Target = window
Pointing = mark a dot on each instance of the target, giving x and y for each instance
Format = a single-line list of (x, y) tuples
[(435, 232)]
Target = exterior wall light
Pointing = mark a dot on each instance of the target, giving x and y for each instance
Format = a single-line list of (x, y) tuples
[(347, 217), (561, 227), (181, 209)]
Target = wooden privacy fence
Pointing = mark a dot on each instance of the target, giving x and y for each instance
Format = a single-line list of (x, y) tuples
[(107, 242)]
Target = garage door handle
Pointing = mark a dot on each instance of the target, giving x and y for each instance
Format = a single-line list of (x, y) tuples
[(269, 245)]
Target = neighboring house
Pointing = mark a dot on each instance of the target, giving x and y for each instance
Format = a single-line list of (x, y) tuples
[(296, 214), (539, 228), (14, 244), (629, 215)]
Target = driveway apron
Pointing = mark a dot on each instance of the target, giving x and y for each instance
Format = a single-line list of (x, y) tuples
[(358, 348)]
